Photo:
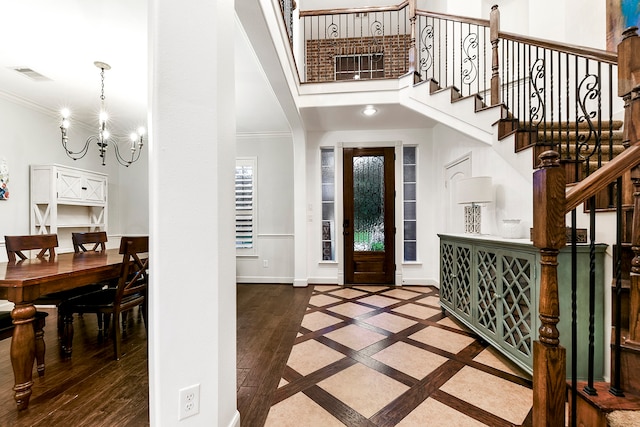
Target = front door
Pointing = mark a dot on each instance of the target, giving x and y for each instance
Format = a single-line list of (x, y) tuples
[(368, 228)]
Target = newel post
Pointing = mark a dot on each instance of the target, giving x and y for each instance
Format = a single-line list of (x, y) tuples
[(629, 90), (549, 358), (494, 27), (413, 50)]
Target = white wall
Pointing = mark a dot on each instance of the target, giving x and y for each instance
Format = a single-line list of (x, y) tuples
[(192, 327), (274, 154)]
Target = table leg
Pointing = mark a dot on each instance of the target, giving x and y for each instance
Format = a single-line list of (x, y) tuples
[(23, 352)]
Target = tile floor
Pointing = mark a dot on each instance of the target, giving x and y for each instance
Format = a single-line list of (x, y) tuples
[(379, 356)]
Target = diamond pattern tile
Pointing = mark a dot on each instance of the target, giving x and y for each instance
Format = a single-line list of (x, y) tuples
[(390, 322), (309, 356), (368, 390), (322, 300), (350, 309), (351, 375), (318, 320), (355, 337)]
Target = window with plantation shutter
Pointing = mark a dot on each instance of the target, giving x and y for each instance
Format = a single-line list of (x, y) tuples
[(245, 206)]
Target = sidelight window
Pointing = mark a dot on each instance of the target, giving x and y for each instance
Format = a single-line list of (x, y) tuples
[(328, 180), (409, 181)]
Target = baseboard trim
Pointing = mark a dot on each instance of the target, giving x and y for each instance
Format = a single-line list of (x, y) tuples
[(420, 282), (235, 421), (264, 279)]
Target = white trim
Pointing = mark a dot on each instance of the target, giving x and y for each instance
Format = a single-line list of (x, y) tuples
[(276, 236), (420, 282), (323, 281), (254, 135), (235, 420), (299, 283), (265, 279)]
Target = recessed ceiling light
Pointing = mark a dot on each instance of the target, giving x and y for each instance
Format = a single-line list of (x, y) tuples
[(369, 110)]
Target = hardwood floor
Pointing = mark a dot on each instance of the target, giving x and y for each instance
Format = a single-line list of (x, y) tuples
[(90, 389), (335, 352), (268, 319)]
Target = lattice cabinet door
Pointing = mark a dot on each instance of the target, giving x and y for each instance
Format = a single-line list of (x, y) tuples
[(447, 273), (487, 291), (518, 304), (463, 284), (455, 278)]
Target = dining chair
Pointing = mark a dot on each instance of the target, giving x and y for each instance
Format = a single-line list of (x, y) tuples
[(44, 243), (96, 238), (6, 331), (15, 245), (131, 292)]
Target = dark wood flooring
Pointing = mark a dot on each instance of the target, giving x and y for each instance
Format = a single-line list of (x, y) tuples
[(269, 318), (90, 389), (93, 390)]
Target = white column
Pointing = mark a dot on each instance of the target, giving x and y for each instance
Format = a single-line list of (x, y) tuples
[(191, 162), (301, 258)]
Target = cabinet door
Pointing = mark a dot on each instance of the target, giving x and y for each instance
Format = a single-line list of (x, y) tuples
[(69, 185), (518, 307), (95, 189), (463, 284), (447, 273), (487, 291)]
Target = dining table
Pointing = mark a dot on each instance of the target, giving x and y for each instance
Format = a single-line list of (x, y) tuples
[(24, 281)]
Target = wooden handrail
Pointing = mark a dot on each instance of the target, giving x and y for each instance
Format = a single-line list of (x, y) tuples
[(604, 176), (462, 19), (586, 52), (346, 11)]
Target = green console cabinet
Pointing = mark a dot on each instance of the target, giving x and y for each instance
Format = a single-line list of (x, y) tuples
[(492, 286)]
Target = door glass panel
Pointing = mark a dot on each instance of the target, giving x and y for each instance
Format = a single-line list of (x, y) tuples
[(368, 200)]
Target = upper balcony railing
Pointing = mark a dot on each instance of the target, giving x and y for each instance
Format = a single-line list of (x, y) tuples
[(559, 96)]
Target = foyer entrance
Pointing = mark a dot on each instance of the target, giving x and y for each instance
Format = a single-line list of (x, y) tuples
[(368, 227)]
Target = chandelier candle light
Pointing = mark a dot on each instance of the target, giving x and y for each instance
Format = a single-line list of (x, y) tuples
[(103, 137), (474, 191)]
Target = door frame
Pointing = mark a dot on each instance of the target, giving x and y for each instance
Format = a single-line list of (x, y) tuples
[(339, 201)]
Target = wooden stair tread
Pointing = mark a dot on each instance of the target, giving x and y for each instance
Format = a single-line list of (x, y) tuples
[(605, 401)]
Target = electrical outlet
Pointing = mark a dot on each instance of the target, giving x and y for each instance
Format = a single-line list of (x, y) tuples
[(265, 263), (189, 401)]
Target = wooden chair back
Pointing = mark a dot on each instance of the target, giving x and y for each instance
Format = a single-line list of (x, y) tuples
[(96, 238), (134, 276), (42, 242)]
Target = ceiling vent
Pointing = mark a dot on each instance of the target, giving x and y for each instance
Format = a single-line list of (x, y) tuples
[(33, 75)]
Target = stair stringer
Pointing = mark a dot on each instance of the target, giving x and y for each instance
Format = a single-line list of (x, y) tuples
[(463, 115), (446, 107)]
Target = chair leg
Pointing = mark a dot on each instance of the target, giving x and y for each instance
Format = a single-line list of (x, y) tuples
[(60, 324), (38, 329), (67, 336), (117, 336), (107, 325), (144, 310)]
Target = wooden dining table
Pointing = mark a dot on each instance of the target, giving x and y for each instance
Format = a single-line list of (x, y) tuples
[(24, 281)]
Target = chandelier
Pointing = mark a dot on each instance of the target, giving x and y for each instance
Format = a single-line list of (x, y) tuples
[(103, 137)]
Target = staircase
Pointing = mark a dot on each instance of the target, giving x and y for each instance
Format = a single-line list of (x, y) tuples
[(584, 156)]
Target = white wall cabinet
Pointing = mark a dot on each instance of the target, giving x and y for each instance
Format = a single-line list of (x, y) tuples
[(66, 200)]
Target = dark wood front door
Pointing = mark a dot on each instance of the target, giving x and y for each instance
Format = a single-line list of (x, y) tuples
[(368, 228)]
